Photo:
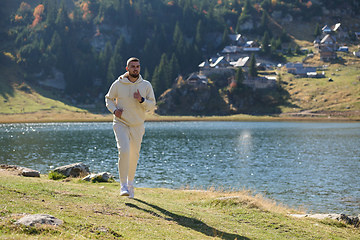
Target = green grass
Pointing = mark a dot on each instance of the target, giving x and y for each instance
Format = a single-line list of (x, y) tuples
[(96, 211)]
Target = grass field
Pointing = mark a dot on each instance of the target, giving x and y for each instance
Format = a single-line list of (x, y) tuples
[(96, 211)]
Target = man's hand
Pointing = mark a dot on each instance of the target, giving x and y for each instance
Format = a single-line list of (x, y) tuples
[(118, 112), (138, 96)]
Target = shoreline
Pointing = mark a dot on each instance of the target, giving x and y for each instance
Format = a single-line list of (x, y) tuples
[(41, 117)]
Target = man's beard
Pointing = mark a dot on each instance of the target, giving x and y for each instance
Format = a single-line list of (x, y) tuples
[(134, 75)]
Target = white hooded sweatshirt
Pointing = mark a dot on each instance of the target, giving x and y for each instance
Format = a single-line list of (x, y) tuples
[(121, 96)]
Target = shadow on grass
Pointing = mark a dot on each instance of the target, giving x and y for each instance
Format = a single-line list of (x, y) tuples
[(6, 91), (187, 222)]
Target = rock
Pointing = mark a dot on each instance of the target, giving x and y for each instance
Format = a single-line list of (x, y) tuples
[(32, 220), (276, 14), (325, 11), (288, 18), (351, 220), (27, 172), (73, 170), (99, 177), (248, 25)]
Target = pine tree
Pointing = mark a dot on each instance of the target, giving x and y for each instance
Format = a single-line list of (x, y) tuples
[(252, 67), (116, 64), (265, 43), (77, 17), (284, 36), (51, 12), (317, 30), (239, 77), (289, 50), (278, 44), (104, 60), (55, 42), (264, 23), (177, 34), (225, 39), (174, 67), (199, 34), (160, 79), (146, 74), (93, 7), (62, 19)]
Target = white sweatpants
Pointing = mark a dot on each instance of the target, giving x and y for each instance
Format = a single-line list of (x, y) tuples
[(129, 143)]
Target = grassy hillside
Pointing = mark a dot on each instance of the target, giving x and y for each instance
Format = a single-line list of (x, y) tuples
[(96, 211), (318, 94)]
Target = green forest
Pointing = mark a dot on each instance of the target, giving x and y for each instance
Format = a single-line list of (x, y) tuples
[(171, 38)]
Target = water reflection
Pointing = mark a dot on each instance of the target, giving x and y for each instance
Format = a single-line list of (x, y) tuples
[(310, 164)]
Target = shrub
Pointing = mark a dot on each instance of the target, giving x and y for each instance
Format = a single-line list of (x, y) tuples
[(56, 176)]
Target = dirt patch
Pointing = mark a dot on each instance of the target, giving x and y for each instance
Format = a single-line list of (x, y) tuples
[(9, 172)]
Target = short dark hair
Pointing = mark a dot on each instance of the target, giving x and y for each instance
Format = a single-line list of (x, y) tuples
[(132, 59)]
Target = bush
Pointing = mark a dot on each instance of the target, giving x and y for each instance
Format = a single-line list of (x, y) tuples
[(56, 176)]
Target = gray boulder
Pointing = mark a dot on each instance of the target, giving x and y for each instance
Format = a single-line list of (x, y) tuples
[(26, 172), (99, 177), (74, 170), (32, 220)]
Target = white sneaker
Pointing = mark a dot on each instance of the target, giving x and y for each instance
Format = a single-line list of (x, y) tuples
[(131, 191), (124, 191)]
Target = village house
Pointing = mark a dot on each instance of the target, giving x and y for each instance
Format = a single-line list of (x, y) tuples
[(326, 53), (327, 47), (327, 41), (326, 30), (357, 34), (338, 31), (242, 62), (215, 65), (261, 83), (231, 52), (237, 39), (251, 46), (197, 80), (299, 70)]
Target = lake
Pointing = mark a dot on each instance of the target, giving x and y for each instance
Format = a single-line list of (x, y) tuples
[(314, 166)]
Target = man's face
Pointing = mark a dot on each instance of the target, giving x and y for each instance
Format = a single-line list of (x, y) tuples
[(133, 69)]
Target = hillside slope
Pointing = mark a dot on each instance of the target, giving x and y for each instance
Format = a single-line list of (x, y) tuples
[(302, 95)]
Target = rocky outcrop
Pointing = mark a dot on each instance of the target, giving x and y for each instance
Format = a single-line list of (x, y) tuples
[(23, 171), (33, 220), (185, 98), (351, 220), (74, 170), (99, 177)]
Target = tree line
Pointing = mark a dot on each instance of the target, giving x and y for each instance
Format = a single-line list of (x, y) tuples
[(169, 37)]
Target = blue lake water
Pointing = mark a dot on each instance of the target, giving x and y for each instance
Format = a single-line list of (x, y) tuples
[(314, 166)]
